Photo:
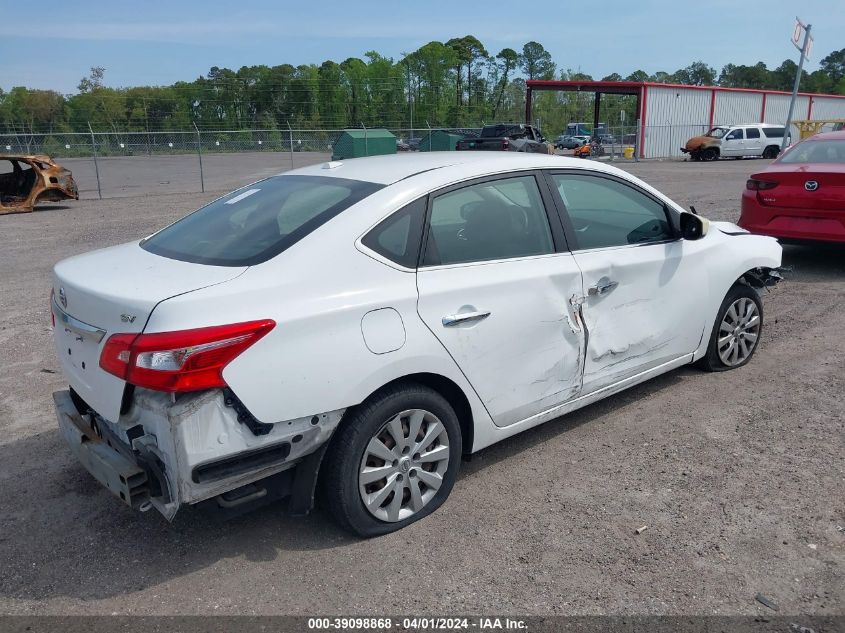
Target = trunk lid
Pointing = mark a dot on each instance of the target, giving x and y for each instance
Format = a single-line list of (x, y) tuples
[(111, 291), (793, 192)]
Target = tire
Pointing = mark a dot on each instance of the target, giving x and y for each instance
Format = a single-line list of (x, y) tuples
[(357, 454), (746, 304), (709, 153), (771, 152)]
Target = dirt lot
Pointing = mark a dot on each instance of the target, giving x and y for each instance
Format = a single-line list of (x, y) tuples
[(739, 477)]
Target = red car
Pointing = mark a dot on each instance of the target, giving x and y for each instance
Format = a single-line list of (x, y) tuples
[(801, 195)]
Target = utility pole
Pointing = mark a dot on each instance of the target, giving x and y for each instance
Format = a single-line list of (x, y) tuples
[(805, 51)]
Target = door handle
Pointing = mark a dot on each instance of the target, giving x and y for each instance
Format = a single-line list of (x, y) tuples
[(602, 287), (463, 317)]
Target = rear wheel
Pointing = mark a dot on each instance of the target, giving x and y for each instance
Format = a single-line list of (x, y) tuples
[(771, 152), (393, 461), (736, 332), (709, 153)]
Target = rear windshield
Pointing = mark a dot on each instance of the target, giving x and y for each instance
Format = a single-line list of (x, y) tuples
[(257, 222), (498, 131), (832, 151)]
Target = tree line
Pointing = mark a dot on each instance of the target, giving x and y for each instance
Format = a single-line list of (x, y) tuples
[(458, 83)]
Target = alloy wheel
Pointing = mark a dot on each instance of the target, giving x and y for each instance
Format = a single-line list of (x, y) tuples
[(403, 465), (739, 332)]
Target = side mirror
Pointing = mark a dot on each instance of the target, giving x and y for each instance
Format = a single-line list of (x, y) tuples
[(693, 227)]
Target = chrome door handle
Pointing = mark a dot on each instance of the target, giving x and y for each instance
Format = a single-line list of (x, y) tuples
[(456, 319), (603, 286)]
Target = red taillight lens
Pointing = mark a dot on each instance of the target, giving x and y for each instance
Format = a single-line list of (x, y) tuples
[(186, 360), (759, 185), (505, 144)]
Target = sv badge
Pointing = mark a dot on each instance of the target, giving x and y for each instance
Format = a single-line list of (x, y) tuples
[(127, 318)]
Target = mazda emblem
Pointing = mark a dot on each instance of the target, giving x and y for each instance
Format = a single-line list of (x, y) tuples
[(811, 185), (62, 297)]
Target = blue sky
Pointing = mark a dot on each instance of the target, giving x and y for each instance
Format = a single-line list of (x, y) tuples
[(152, 42)]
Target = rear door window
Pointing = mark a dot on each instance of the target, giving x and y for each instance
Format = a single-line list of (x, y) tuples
[(496, 219), (257, 222), (752, 132)]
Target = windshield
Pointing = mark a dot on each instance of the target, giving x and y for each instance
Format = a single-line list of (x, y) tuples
[(257, 222), (829, 151), (717, 132)]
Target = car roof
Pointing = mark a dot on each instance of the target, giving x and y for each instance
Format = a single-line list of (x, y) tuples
[(392, 168)]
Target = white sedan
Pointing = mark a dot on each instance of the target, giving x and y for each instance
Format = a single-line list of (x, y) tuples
[(352, 329)]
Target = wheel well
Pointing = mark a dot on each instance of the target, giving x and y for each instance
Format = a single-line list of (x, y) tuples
[(449, 390), (761, 277)]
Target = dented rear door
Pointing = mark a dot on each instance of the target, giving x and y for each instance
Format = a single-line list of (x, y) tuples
[(499, 298)]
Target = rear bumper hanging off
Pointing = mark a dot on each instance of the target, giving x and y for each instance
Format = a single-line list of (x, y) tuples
[(165, 454), (122, 476)]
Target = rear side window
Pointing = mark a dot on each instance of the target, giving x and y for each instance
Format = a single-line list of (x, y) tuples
[(773, 132), (752, 132), (398, 237), (257, 222)]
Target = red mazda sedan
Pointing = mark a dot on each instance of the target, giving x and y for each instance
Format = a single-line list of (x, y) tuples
[(801, 195)]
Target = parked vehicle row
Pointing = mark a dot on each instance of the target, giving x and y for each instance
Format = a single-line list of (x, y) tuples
[(356, 327), (507, 137)]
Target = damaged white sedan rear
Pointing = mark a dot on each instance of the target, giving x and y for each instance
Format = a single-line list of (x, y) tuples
[(353, 329)]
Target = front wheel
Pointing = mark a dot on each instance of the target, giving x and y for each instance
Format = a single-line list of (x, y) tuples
[(393, 461), (710, 153), (736, 332)]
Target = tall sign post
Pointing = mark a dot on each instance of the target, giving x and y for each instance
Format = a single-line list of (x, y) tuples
[(805, 47)]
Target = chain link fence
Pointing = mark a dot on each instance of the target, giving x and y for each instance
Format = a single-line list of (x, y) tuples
[(119, 163)]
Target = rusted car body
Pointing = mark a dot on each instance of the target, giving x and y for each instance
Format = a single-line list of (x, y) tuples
[(27, 180)]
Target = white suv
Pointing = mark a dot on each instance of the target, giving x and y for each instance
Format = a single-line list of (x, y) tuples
[(737, 141)]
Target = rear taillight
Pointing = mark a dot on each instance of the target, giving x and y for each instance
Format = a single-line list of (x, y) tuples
[(185, 360), (505, 143), (759, 185)]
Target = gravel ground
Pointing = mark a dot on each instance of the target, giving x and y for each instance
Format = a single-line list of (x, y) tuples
[(738, 476)]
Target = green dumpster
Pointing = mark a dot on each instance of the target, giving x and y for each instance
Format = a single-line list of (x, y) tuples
[(356, 143), (439, 141)]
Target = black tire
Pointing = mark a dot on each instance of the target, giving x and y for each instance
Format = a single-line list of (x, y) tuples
[(771, 152), (339, 483), (709, 153), (712, 361)]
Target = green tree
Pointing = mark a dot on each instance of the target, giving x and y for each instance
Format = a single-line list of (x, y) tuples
[(833, 65), (506, 61), (638, 75), (536, 61)]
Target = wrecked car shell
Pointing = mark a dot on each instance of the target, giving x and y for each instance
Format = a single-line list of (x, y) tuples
[(26, 180)]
